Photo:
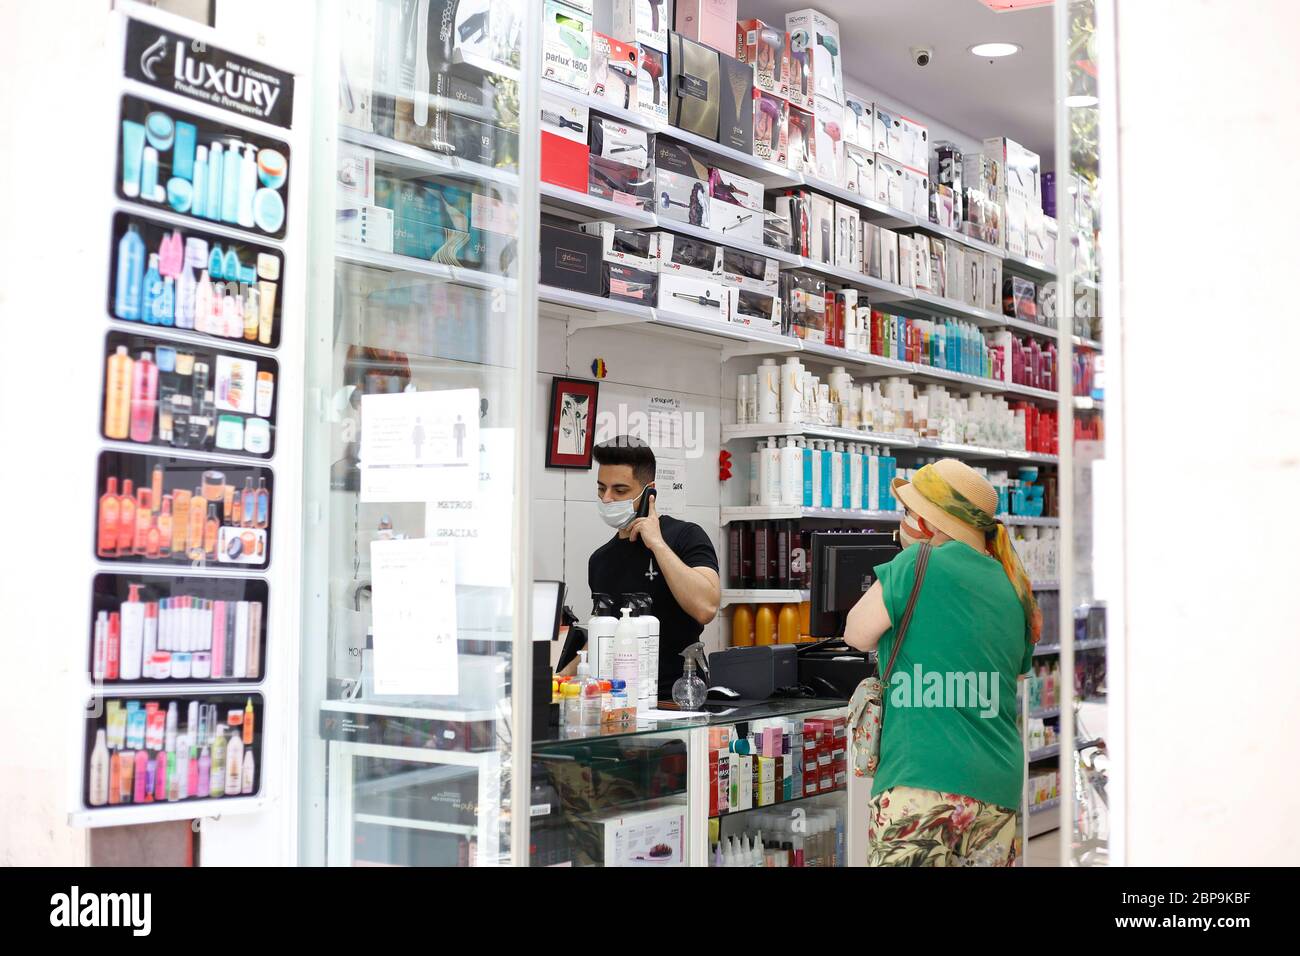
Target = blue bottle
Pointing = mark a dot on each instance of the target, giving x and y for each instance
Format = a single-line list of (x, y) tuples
[(809, 462), (130, 273), (153, 292), (230, 184), (212, 205), (231, 268), (216, 264), (166, 314), (826, 475)]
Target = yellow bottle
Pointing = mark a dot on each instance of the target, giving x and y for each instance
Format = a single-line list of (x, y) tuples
[(765, 625), (805, 621), (117, 395), (787, 625), (742, 626)]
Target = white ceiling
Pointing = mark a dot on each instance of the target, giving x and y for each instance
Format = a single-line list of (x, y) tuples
[(1011, 96)]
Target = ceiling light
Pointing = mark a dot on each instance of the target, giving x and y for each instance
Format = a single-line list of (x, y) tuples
[(995, 49), (1081, 101)]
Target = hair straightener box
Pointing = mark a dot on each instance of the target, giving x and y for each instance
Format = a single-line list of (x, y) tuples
[(690, 277), (745, 270), (619, 166), (570, 259), (821, 228), (794, 206), (736, 104), (565, 133), (631, 262), (681, 183), (771, 127), (848, 234), (767, 50), (615, 73), (694, 95), (815, 39), (711, 22), (566, 45)]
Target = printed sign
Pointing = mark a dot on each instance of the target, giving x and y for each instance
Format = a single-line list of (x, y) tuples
[(199, 71)]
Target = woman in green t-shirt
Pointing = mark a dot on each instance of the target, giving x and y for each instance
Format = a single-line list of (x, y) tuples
[(951, 759)]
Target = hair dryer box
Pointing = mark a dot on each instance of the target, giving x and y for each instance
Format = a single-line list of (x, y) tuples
[(566, 45), (615, 73), (771, 127), (817, 36), (711, 22), (767, 49)]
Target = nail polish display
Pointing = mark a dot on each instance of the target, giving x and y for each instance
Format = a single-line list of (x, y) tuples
[(184, 397), (192, 280), (199, 168), (182, 629), (178, 511), (149, 749)]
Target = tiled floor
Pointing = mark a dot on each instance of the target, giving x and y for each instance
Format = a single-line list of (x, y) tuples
[(1044, 850)]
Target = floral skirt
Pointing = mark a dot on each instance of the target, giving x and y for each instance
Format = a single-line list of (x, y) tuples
[(913, 827)]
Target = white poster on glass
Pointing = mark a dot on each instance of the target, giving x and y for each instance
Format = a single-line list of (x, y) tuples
[(413, 605), (419, 446), (479, 527)]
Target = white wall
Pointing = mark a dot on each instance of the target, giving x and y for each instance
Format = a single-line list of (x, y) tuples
[(566, 526), (1209, 338)]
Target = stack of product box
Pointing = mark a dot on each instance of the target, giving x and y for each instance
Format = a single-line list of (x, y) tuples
[(825, 742), (783, 759)]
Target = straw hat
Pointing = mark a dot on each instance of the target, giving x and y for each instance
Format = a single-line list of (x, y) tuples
[(966, 481)]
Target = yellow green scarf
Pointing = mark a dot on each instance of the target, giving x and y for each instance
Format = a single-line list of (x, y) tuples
[(931, 485)]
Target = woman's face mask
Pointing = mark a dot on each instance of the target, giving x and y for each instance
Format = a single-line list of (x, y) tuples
[(619, 514), (910, 531)]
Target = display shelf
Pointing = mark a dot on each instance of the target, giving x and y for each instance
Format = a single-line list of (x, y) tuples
[(1034, 456), (881, 292), (1025, 521), (1085, 404), (1042, 394), (717, 238), (465, 829), (594, 207), (1021, 265), (873, 210), (594, 304), (781, 803), (756, 341), (732, 596), (1045, 585), (943, 232), (1080, 342), (740, 432), (1046, 650), (390, 262), (413, 159), (484, 63), (1046, 805), (957, 450), (1045, 713), (925, 302), (833, 353), (1033, 328), (760, 513)]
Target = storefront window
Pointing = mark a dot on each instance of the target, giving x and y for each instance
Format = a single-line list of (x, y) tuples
[(420, 343)]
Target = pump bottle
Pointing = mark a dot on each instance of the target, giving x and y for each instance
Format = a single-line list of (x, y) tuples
[(600, 635), (626, 652)]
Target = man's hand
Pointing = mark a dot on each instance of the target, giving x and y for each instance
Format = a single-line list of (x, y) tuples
[(647, 529)]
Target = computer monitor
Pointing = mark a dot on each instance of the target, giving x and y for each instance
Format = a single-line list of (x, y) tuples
[(548, 602), (843, 568)]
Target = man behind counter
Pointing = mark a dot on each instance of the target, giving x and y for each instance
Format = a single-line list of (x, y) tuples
[(672, 561)]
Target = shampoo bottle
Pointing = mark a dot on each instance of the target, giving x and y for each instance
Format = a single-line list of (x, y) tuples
[(234, 764), (153, 291), (627, 652), (742, 626), (99, 766), (791, 474), (769, 392), (132, 635), (117, 395), (144, 398), (247, 187), (199, 204), (772, 475), (765, 625), (230, 187), (130, 274)]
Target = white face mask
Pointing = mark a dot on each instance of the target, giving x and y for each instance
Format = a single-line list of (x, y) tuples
[(910, 534), (618, 514)]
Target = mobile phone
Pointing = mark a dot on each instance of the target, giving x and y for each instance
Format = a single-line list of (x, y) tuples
[(643, 510)]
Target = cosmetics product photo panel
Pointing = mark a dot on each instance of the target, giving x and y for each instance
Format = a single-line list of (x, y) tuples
[(182, 512), (195, 281), (175, 395), (148, 628), (161, 748), (203, 169)]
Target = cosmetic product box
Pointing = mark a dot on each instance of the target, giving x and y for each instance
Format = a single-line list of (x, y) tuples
[(992, 297), (1035, 234), (727, 186), (710, 22), (860, 170), (939, 267), (368, 226), (629, 284), (570, 259), (871, 249), (819, 36), (890, 257), (906, 261), (643, 22), (694, 93), (801, 142), (615, 71), (946, 166), (859, 122), (973, 276), (777, 233), (681, 183), (845, 303), (355, 179), (736, 206), (744, 270), (795, 207), (654, 837), (771, 72), (566, 45), (943, 206), (804, 296), (565, 135), (1019, 299), (771, 127), (828, 146), (901, 138), (445, 794), (821, 228), (756, 310), (693, 258), (848, 233), (735, 104), (921, 263), (652, 83), (916, 192), (430, 215), (620, 143), (628, 247), (620, 183), (891, 189), (692, 296)]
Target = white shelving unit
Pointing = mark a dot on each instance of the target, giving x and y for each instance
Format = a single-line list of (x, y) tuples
[(1030, 268), (742, 432), (758, 513), (732, 596)]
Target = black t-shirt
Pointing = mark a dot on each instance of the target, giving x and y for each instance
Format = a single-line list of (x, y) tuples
[(621, 567)]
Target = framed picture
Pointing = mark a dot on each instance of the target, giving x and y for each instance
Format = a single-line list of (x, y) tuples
[(573, 423)]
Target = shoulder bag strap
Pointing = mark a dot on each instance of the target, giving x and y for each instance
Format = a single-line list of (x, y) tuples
[(922, 560)]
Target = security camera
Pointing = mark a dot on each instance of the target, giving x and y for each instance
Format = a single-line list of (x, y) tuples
[(921, 55)]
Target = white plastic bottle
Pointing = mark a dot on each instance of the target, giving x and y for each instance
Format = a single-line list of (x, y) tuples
[(132, 647), (791, 473), (837, 475), (234, 765), (873, 480), (771, 475), (600, 636), (99, 771), (756, 475), (769, 392), (627, 651), (742, 400), (855, 477), (647, 694), (816, 447), (792, 391)]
